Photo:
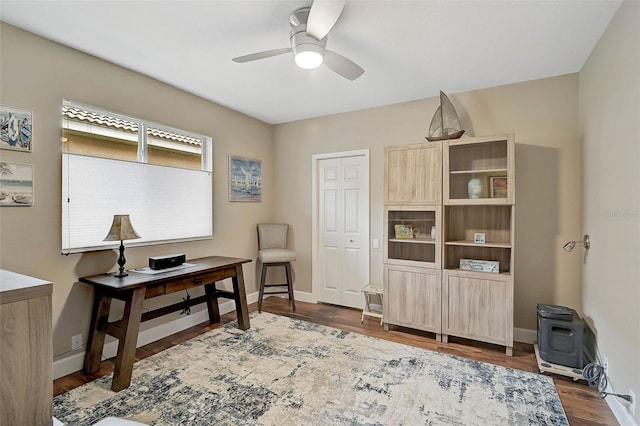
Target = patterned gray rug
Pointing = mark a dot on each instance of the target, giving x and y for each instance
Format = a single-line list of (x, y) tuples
[(289, 372)]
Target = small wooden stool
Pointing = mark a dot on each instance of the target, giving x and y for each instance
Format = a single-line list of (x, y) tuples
[(369, 291)]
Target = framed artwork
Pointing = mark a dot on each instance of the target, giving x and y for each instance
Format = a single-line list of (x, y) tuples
[(479, 237), (245, 179), (16, 126), (499, 187), (403, 231), (16, 184)]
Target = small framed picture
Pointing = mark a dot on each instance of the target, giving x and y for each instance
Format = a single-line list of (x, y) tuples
[(245, 179), (499, 187), (404, 231), (16, 126), (479, 237), (16, 184)]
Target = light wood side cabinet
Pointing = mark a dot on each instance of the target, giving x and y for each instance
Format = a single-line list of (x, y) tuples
[(26, 352), (413, 174)]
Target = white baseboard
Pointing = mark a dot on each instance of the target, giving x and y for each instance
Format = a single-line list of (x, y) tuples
[(74, 362), (303, 296), (525, 335), (619, 408)]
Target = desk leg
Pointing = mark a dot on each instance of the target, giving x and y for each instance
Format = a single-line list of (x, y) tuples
[(99, 317), (128, 338), (240, 295), (212, 303)]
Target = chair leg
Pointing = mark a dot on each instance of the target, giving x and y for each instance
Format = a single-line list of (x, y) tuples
[(290, 285), (263, 277)]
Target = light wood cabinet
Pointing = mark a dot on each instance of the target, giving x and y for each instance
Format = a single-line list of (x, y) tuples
[(413, 262), (412, 298), (26, 355), (474, 215), (413, 174), (479, 306)]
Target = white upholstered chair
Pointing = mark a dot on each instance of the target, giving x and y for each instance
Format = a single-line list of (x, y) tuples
[(272, 246)]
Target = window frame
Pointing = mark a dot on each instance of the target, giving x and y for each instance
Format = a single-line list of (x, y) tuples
[(206, 155)]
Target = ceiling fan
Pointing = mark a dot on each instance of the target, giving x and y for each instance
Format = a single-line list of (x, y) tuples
[(309, 29)]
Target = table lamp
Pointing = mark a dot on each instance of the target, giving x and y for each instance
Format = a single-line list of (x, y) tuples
[(121, 230)]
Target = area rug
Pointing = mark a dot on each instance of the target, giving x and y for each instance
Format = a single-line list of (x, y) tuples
[(284, 371)]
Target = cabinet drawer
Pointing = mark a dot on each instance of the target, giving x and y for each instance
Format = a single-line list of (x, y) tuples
[(187, 283)]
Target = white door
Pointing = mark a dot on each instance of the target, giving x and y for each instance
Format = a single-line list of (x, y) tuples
[(342, 263)]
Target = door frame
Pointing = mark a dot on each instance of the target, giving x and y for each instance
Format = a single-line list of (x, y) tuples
[(315, 182)]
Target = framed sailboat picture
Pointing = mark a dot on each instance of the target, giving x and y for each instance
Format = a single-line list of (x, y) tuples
[(245, 179), (16, 126)]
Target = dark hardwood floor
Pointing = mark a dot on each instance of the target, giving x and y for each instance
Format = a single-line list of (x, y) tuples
[(580, 402)]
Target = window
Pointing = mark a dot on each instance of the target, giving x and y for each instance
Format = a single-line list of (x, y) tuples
[(114, 164)]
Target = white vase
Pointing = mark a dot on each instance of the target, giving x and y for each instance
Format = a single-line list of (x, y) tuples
[(433, 232), (475, 188)]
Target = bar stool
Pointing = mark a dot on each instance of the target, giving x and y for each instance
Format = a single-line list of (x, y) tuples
[(272, 246)]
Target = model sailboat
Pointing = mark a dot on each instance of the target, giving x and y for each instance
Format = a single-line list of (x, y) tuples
[(445, 123)]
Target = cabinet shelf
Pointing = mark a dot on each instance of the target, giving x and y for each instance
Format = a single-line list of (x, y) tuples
[(478, 202), (413, 240), (472, 244), (465, 272), (479, 171)]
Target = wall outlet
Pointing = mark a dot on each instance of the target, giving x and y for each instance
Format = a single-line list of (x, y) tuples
[(605, 365), (76, 342), (376, 243), (634, 403)]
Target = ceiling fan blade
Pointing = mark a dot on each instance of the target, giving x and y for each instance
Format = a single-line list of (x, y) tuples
[(341, 65), (262, 55), (323, 16)]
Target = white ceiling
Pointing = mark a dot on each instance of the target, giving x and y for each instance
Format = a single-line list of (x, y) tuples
[(409, 49)]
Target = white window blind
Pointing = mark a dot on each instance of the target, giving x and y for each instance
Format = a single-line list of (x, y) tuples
[(165, 204)]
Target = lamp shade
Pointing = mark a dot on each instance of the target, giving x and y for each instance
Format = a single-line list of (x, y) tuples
[(121, 229)]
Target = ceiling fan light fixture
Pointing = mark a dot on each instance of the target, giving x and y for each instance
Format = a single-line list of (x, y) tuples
[(309, 56)]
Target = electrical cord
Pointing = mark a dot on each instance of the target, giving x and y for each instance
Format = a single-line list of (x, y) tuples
[(596, 377), (187, 309)]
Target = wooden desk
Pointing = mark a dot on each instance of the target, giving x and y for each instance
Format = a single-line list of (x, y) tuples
[(136, 287)]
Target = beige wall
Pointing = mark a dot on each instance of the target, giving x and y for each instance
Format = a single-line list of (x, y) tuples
[(38, 74), (610, 125), (543, 114)]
